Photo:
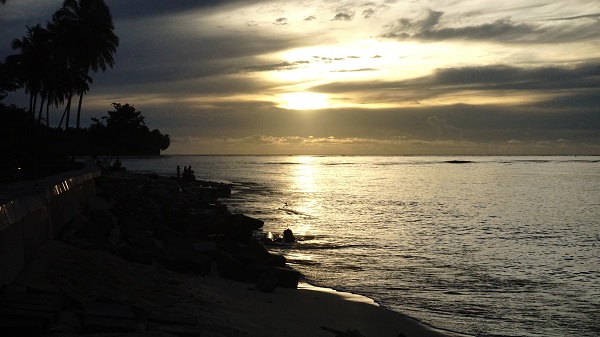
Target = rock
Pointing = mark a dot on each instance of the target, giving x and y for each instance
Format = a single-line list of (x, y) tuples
[(288, 236), (287, 278), (176, 330), (116, 310), (199, 263), (230, 268), (267, 282), (192, 262), (206, 247), (139, 255), (27, 314), (29, 327), (94, 324), (245, 222), (338, 333)]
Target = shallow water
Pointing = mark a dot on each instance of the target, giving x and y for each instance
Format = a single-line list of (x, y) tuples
[(506, 246)]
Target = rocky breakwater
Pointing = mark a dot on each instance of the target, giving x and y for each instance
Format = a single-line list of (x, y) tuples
[(182, 225), (108, 273)]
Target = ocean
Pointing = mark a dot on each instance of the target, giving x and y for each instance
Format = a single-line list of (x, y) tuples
[(488, 246)]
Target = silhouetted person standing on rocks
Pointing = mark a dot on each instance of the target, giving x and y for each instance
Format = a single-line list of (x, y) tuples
[(188, 173)]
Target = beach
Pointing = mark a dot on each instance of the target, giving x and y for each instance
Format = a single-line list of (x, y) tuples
[(89, 273)]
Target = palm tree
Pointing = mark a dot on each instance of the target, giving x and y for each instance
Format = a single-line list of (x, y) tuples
[(32, 62), (68, 80), (88, 28)]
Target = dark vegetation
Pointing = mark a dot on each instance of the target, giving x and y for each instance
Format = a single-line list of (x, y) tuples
[(123, 132), (53, 65)]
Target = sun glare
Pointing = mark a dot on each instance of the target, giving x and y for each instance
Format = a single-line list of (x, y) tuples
[(304, 101)]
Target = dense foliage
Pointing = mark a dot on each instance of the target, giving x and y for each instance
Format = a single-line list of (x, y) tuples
[(52, 65), (124, 132), (54, 61), (34, 150)]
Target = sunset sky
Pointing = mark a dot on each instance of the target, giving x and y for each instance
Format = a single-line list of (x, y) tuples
[(349, 77)]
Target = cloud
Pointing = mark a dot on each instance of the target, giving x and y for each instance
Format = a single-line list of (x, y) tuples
[(310, 18), (326, 59), (501, 78), (269, 144), (354, 70), (281, 21), (367, 13), (507, 77), (431, 28), (578, 17), (343, 17), (443, 129), (152, 8), (37, 11), (274, 67)]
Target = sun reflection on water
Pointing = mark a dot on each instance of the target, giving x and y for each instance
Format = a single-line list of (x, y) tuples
[(302, 183)]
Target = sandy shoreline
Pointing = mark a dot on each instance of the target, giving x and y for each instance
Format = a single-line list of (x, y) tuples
[(220, 307), (196, 305)]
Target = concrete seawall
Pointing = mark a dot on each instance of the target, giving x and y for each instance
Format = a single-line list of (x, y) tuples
[(33, 212)]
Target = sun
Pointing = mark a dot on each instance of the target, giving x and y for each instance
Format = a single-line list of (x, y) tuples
[(304, 101)]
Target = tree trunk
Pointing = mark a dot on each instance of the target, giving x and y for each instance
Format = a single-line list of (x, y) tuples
[(31, 103), (79, 109), (48, 113), (67, 108), (39, 120), (33, 108), (68, 111)]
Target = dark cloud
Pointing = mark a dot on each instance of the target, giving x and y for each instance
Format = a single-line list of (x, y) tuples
[(466, 122), (503, 77), (121, 11), (486, 78), (281, 21), (342, 17), (149, 8), (567, 108), (354, 70), (367, 13), (145, 8), (501, 30), (163, 60), (327, 59), (274, 67), (595, 16)]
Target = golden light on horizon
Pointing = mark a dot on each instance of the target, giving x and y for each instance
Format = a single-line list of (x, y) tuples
[(304, 101)]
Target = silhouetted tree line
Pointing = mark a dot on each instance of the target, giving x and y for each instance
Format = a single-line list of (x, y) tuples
[(53, 65), (54, 62), (32, 150), (124, 132)]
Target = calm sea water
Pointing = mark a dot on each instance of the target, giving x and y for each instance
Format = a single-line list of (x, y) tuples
[(496, 246)]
